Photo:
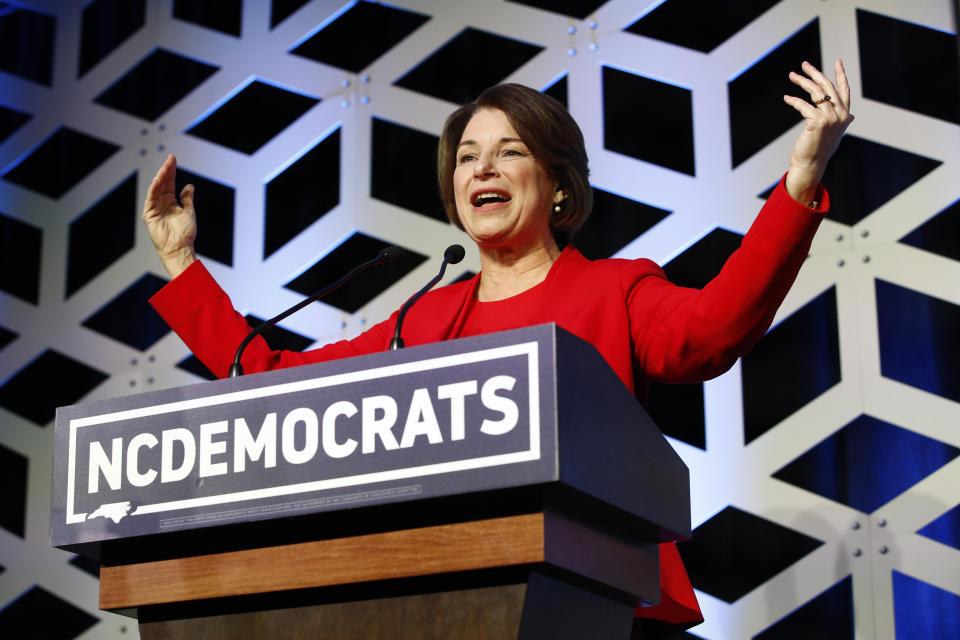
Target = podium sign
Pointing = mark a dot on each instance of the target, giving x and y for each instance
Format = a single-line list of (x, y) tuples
[(355, 432), (444, 419)]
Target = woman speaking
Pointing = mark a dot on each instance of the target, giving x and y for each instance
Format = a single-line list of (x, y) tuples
[(513, 175)]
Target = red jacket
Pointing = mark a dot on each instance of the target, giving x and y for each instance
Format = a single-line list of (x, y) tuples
[(647, 328)]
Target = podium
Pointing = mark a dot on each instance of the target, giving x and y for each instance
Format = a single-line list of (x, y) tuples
[(499, 486)]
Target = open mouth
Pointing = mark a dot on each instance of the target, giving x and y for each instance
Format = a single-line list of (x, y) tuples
[(488, 197)]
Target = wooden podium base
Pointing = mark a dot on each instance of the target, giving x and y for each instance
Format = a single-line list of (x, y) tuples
[(544, 607), (527, 576), (491, 612)]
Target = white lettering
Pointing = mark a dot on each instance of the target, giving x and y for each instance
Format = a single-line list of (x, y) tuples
[(330, 445), (112, 467), (288, 446), (244, 446), (209, 448), (374, 427), (366, 424), (421, 420), (456, 393), (500, 404), (137, 442), (185, 438)]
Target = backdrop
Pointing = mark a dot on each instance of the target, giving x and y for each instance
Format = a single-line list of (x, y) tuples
[(824, 464)]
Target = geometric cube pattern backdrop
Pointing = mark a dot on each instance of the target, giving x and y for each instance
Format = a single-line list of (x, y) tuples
[(825, 465)]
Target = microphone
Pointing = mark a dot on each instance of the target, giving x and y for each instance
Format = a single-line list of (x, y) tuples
[(452, 255), (386, 256)]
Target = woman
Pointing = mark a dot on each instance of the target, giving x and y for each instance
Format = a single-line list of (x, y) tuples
[(513, 175)]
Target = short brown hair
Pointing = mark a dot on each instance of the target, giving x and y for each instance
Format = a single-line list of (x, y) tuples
[(548, 130)]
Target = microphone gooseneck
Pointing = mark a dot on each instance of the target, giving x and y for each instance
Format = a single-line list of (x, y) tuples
[(452, 255), (386, 256)]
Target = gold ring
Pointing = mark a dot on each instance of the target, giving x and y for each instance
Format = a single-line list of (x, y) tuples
[(822, 100)]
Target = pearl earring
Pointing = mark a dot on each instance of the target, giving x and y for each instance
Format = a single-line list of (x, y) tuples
[(556, 208)]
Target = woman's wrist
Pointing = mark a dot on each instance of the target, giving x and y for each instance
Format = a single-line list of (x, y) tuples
[(802, 186), (177, 262)]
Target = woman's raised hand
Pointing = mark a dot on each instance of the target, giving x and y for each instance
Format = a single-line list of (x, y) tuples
[(172, 225), (827, 116)]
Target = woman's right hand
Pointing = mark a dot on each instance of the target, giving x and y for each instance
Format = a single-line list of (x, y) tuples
[(172, 225)]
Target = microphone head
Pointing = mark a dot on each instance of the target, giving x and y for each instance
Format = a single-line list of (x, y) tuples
[(390, 254), (454, 254)]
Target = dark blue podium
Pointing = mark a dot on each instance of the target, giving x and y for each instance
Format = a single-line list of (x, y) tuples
[(500, 486)]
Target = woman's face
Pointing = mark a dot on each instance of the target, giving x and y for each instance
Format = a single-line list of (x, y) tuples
[(504, 194)]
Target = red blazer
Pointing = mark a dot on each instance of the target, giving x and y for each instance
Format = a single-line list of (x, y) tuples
[(646, 328)]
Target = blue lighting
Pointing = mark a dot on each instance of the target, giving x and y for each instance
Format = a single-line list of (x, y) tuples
[(284, 87), (922, 610), (239, 88), (310, 146), (917, 335), (916, 24), (945, 529), (101, 198), (180, 54), (26, 366), (557, 78), (633, 72), (320, 27), (768, 52), (653, 6), (333, 246), (693, 240), (23, 156), (867, 463), (222, 101)]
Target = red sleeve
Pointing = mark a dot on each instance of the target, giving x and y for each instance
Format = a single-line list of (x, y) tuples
[(678, 609), (689, 335), (201, 313)]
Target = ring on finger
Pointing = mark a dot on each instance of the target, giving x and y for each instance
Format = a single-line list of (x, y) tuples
[(822, 100)]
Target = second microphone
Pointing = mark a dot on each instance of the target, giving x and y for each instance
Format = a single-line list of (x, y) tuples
[(452, 255)]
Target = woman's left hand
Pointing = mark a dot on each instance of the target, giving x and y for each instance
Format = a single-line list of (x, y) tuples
[(826, 120)]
